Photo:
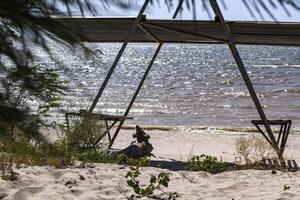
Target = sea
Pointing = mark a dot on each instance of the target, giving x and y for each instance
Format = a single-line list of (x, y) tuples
[(188, 85)]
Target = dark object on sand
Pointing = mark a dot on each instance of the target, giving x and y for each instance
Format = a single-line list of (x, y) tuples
[(140, 135), (275, 164), (292, 166), (141, 147)]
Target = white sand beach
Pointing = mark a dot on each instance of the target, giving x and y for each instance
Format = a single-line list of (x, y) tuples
[(107, 181)]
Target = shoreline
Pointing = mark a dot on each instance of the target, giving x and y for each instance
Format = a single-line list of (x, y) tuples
[(195, 128)]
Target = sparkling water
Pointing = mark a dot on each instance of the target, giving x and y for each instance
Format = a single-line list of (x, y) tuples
[(189, 84)]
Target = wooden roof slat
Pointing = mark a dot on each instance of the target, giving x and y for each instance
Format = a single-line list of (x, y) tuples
[(184, 31)]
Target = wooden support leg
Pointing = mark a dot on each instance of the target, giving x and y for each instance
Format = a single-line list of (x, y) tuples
[(285, 136), (137, 92), (67, 122), (246, 78), (280, 133), (179, 7), (146, 73), (106, 132)]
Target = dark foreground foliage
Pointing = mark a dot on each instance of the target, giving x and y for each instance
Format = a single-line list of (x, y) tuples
[(24, 152), (155, 184)]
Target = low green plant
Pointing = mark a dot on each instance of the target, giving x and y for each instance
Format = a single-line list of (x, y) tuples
[(206, 163), (26, 152), (155, 183), (57, 154), (119, 158), (84, 138), (85, 134), (83, 141), (126, 160)]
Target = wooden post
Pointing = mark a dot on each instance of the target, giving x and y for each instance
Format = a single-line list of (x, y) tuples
[(121, 51), (136, 92), (178, 9), (144, 76), (246, 78)]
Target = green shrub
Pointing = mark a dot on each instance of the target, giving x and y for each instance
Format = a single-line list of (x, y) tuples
[(84, 142), (126, 160), (85, 135), (25, 152), (120, 159), (155, 183), (206, 163)]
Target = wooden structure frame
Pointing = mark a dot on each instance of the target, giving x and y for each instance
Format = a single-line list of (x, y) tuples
[(141, 30), (283, 133)]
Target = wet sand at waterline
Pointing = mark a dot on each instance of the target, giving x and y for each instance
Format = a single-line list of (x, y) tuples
[(107, 181)]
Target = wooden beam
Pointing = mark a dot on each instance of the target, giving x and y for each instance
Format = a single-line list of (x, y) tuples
[(244, 74), (196, 35), (149, 33), (179, 7), (142, 80), (117, 29), (136, 93)]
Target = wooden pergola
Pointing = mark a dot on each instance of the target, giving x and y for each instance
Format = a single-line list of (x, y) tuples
[(219, 31)]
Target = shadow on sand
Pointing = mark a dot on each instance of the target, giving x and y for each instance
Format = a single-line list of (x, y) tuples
[(172, 165)]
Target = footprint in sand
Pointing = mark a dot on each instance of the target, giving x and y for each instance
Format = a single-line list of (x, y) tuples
[(233, 188), (28, 193), (289, 195)]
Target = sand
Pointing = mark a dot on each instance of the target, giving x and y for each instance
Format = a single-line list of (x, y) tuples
[(107, 181)]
